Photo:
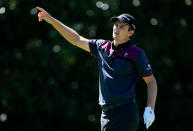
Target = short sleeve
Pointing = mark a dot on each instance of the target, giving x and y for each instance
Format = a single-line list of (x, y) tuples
[(143, 66), (94, 46)]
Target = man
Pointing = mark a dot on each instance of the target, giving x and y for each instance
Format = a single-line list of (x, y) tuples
[(120, 64)]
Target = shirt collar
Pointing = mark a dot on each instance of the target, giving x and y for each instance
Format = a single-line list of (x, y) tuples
[(123, 45)]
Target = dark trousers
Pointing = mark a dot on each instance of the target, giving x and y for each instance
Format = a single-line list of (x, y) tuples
[(121, 118)]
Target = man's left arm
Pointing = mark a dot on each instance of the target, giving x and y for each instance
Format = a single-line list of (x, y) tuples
[(151, 90), (145, 71), (149, 115)]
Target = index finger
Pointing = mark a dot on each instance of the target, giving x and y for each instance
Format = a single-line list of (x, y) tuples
[(40, 9)]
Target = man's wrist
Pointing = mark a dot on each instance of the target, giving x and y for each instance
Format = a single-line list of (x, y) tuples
[(52, 20), (151, 106)]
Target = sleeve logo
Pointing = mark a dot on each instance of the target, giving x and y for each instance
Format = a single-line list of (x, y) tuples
[(148, 67)]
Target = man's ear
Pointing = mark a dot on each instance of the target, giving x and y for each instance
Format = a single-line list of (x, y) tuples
[(131, 32)]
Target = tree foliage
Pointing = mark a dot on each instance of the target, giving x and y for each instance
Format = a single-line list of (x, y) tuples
[(47, 83)]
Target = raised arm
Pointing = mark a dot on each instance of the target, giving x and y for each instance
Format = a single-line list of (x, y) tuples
[(68, 33)]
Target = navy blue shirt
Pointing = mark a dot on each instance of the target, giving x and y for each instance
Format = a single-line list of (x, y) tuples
[(119, 69)]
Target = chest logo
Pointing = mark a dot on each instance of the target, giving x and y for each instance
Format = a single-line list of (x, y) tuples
[(126, 54)]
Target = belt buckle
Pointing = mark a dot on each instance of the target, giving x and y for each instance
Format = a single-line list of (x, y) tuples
[(107, 108), (104, 109)]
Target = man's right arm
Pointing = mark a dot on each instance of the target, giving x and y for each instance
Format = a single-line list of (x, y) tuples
[(71, 35), (68, 33)]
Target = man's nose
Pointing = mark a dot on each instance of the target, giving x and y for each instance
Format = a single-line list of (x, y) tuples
[(116, 29)]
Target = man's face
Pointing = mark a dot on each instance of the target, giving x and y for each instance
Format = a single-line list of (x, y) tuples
[(120, 31)]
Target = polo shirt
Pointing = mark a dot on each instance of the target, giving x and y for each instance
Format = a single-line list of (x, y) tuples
[(119, 69)]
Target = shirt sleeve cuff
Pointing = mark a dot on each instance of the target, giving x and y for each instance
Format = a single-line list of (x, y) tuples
[(144, 75)]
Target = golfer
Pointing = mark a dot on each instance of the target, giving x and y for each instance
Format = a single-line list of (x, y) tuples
[(121, 63)]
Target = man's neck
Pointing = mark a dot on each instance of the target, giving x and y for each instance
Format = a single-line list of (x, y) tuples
[(117, 42)]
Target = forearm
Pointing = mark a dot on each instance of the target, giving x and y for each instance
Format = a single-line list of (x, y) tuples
[(69, 34), (152, 93)]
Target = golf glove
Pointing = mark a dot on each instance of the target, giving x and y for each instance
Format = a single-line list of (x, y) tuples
[(148, 116)]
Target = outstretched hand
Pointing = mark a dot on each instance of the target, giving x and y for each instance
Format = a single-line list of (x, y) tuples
[(44, 15)]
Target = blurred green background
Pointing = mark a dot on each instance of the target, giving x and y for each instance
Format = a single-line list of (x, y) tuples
[(48, 84)]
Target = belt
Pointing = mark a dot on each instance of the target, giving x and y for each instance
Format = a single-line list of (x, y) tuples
[(109, 107), (106, 108)]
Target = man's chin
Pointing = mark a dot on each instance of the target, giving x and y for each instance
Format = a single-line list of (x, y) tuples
[(116, 38)]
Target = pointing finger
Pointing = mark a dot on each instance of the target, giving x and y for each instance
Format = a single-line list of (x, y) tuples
[(40, 9)]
